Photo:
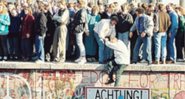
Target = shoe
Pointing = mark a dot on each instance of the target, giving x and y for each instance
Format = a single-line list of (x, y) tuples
[(109, 82), (94, 60), (170, 62), (78, 60), (133, 62), (39, 61), (143, 61), (156, 62), (5, 58), (180, 60), (163, 62), (82, 61)]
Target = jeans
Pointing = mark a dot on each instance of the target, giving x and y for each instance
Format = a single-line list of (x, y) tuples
[(146, 41), (14, 46), (172, 53), (125, 38), (80, 44), (118, 69), (180, 45), (160, 46), (39, 46), (26, 47), (4, 45)]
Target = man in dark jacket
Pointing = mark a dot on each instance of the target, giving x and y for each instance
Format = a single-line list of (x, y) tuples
[(40, 32), (124, 25)]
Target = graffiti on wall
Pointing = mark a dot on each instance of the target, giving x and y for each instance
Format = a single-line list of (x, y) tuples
[(67, 84)]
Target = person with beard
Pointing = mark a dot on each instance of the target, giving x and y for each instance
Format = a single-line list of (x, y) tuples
[(59, 42)]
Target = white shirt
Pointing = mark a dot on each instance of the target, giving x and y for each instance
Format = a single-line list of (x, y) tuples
[(121, 52), (104, 28)]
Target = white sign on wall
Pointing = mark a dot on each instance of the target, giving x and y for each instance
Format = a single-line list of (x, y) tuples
[(116, 93)]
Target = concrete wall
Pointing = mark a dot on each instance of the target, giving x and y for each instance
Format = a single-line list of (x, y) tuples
[(49, 81)]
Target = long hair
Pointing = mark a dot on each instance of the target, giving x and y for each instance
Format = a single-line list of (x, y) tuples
[(5, 11)]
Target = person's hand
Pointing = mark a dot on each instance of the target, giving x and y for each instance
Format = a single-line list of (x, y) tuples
[(27, 35), (170, 34), (87, 33), (131, 34), (143, 34)]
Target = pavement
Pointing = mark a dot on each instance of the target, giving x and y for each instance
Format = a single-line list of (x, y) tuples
[(178, 67)]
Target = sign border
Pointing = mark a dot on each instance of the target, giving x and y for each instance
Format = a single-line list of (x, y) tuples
[(117, 88)]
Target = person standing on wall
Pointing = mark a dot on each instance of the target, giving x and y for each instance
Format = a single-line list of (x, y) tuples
[(160, 36), (89, 40), (144, 26), (4, 30), (27, 34), (172, 52), (59, 42), (104, 28), (40, 32), (80, 26), (180, 34)]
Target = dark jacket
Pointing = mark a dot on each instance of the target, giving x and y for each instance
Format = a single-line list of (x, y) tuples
[(80, 20), (27, 26), (125, 23), (50, 25), (14, 28), (40, 24)]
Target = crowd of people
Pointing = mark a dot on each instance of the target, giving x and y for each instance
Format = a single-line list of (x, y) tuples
[(152, 33)]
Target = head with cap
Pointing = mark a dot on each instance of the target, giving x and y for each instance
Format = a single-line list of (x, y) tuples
[(114, 20)]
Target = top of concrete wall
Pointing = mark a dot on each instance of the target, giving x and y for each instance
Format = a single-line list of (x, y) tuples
[(179, 67)]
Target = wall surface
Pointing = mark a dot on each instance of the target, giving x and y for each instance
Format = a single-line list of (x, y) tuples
[(69, 82)]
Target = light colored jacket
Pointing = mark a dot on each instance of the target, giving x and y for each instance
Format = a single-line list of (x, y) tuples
[(148, 25), (4, 24), (63, 19), (104, 29), (121, 52)]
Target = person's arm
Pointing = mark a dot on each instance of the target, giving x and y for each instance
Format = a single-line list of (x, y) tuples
[(133, 28), (113, 46), (62, 19), (6, 20), (174, 22)]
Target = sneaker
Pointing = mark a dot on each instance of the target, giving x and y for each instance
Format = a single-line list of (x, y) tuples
[(78, 60), (1, 58), (156, 63), (5, 58), (143, 61), (39, 61), (82, 61), (170, 62), (180, 60)]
